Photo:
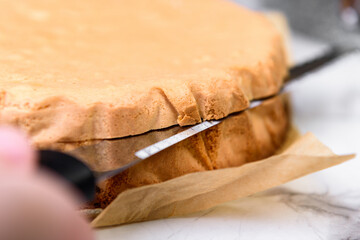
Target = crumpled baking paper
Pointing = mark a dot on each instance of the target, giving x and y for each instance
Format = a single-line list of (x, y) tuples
[(301, 155)]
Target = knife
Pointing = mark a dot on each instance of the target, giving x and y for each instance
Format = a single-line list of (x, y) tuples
[(83, 178)]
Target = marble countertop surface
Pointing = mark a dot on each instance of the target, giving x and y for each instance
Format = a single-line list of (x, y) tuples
[(324, 205)]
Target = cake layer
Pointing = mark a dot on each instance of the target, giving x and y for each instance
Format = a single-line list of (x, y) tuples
[(240, 138), (72, 71)]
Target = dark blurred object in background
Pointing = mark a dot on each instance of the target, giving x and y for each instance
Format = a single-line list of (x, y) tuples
[(336, 21)]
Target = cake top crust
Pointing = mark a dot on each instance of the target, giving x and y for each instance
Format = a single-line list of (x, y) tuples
[(142, 64)]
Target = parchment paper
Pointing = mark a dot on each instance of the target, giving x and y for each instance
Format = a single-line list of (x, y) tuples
[(300, 156)]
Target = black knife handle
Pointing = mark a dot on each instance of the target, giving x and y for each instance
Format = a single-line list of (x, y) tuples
[(70, 169), (317, 62)]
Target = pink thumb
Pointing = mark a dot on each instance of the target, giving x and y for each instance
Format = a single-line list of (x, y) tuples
[(16, 154)]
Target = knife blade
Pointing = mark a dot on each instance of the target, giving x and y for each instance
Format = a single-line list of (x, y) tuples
[(80, 175), (161, 145)]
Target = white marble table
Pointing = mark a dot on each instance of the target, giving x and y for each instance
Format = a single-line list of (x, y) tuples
[(324, 205)]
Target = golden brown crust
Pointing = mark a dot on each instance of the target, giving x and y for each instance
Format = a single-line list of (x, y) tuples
[(131, 67), (248, 136)]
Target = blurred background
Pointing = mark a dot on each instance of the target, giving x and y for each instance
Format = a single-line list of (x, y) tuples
[(334, 21), (315, 27)]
